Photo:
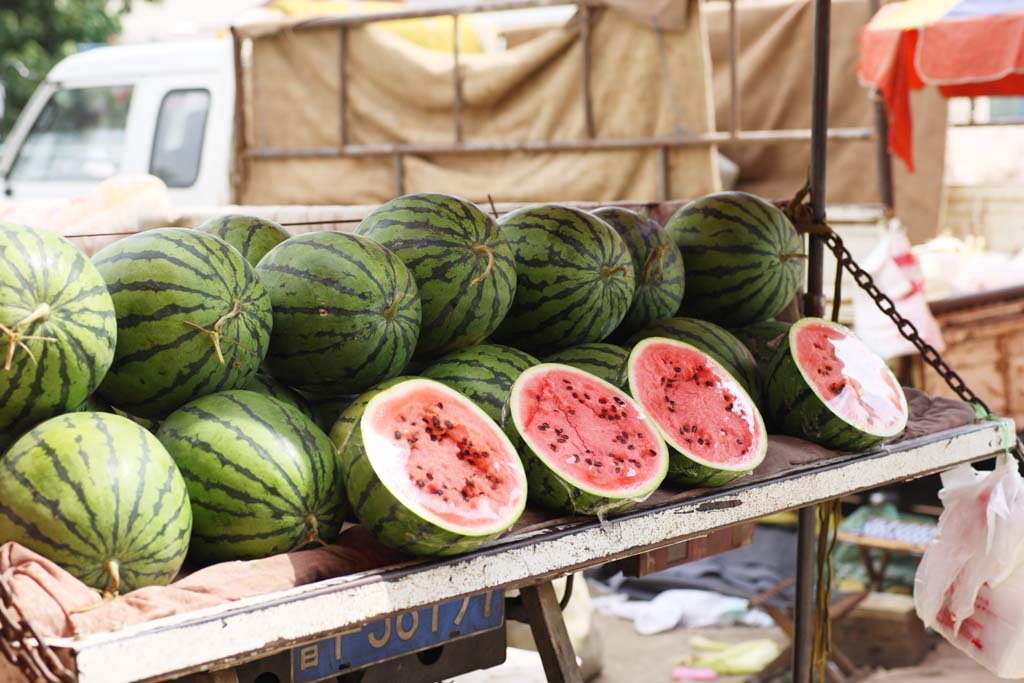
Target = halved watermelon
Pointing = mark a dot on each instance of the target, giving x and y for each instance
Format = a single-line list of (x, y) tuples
[(705, 415), (426, 470), (589, 447), (825, 385)]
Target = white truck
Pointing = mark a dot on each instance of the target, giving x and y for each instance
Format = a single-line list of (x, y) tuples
[(162, 108)]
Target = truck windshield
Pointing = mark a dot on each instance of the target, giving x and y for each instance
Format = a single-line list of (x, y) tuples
[(79, 136)]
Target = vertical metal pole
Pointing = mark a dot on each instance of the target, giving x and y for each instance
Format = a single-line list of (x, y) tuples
[(803, 635), (588, 106), (886, 192), (456, 79), (734, 86), (885, 186), (664, 173), (343, 85), (240, 160), (814, 304), (399, 174)]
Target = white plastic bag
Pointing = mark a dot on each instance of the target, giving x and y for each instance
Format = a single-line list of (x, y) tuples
[(970, 583), (897, 272)]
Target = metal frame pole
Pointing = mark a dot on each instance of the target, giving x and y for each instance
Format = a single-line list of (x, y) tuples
[(885, 184), (814, 305)]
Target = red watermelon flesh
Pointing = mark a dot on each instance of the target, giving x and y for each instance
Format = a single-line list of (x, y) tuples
[(700, 409), (432, 446), (852, 381), (588, 431)]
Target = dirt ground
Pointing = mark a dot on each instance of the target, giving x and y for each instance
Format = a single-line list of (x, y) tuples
[(631, 658)]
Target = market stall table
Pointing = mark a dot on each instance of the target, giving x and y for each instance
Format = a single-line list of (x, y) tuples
[(942, 434)]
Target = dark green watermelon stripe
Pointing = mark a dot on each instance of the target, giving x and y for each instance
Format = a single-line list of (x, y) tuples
[(301, 274), (198, 444), (52, 505), (258, 449)]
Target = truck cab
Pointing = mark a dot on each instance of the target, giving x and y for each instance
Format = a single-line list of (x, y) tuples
[(162, 108)]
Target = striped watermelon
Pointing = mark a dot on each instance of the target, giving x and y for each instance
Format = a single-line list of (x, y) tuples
[(606, 361), (57, 328), (575, 279), (825, 385), (192, 319), (268, 386), (100, 496), (461, 261), (658, 266), (714, 428), (346, 313), (262, 477), (744, 259), (590, 448), (713, 340), (485, 374), (426, 470), (252, 237)]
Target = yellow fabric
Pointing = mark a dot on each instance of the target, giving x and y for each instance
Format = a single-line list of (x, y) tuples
[(433, 33), (912, 13)]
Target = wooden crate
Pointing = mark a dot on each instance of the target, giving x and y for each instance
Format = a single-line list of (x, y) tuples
[(984, 336)]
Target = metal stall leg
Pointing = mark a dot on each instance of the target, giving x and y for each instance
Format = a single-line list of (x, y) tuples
[(803, 637), (550, 635), (814, 305)]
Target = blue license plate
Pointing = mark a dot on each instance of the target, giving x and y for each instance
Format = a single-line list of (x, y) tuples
[(398, 635)]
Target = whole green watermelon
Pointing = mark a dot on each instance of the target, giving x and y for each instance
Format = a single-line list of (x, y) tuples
[(252, 237), (100, 496), (57, 328), (575, 279), (192, 319), (262, 477), (346, 313), (658, 266), (744, 260), (462, 263)]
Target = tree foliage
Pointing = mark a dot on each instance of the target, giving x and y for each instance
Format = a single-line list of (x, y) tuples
[(36, 34)]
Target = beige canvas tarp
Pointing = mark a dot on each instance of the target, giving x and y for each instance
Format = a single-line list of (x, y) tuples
[(775, 86), (398, 92)]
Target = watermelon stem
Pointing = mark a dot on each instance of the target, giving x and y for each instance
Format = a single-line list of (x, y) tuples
[(218, 327), (608, 272), (483, 249), (16, 338), (392, 310), (113, 570), (313, 536), (657, 256), (790, 257)]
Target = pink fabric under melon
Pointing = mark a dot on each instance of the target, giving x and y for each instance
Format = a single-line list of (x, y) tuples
[(589, 431), (446, 456), (698, 407), (853, 381)]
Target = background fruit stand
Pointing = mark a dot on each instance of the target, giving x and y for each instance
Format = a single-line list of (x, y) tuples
[(298, 634)]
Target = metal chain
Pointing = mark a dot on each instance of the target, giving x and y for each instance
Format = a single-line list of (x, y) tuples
[(21, 644), (906, 328)]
